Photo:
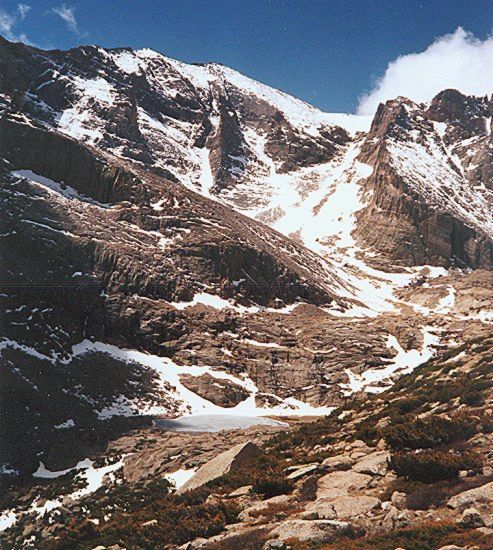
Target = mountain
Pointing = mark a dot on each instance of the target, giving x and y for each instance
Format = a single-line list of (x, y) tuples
[(182, 239)]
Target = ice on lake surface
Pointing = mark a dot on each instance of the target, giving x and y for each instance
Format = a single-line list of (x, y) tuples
[(213, 423)]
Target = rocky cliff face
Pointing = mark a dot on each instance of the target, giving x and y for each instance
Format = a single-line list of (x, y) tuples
[(423, 181)]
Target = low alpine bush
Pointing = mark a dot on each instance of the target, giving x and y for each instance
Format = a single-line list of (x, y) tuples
[(431, 466), (427, 433)]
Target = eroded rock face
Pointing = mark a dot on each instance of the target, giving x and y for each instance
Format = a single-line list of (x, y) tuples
[(223, 393), (417, 169)]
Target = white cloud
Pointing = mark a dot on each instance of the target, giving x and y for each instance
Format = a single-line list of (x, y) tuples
[(8, 21), (68, 15), (458, 60), (23, 10)]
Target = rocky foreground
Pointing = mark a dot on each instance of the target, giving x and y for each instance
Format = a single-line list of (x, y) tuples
[(409, 468)]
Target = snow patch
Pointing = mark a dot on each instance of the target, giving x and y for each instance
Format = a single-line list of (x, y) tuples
[(351, 123), (44, 473), (260, 344), (206, 177), (79, 125), (446, 304), (127, 62), (7, 470), (377, 380), (7, 519), (64, 425), (180, 477), (61, 188), (203, 298), (98, 88), (440, 128)]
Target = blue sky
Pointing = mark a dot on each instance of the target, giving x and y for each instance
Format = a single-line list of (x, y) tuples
[(329, 53)]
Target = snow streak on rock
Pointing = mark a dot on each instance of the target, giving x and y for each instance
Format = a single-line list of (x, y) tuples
[(190, 403), (378, 380), (430, 171)]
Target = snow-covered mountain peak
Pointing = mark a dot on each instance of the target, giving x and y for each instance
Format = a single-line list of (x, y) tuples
[(299, 113), (273, 157)]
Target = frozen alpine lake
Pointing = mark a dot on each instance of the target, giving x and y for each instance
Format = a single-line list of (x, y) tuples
[(214, 423)]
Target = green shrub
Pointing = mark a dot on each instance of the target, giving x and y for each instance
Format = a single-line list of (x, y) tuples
[(473, 394), (423, 497), (294, 443), (443, 393), (472, 398), (174, 525), (408, 404), (367, 432), (426, 433), (431, 466), (487, 425), (271, 487)]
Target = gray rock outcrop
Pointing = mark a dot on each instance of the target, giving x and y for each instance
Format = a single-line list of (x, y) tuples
[(230, 460)]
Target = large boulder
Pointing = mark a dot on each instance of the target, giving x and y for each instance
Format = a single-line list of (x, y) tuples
[(315, 531), (222, 393), (229, 461), (344, 507), (471, 519), (373, 464), (338, 462), (472, 496), (338, 484)]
